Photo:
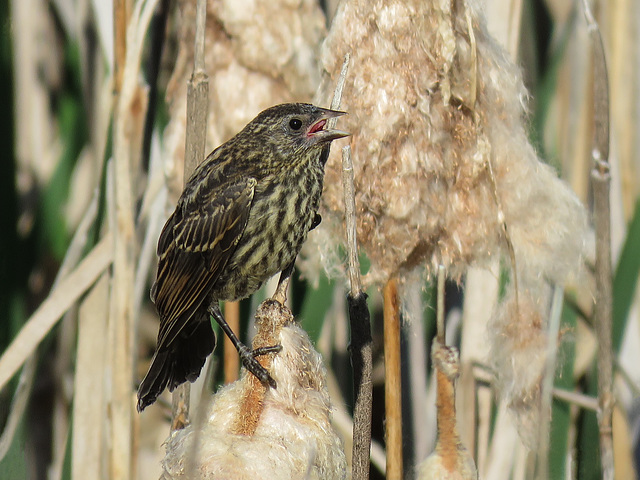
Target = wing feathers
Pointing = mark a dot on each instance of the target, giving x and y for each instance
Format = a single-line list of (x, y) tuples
[(197, 242)]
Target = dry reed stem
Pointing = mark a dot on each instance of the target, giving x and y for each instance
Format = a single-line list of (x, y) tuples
[(419, 404), (196, 135), (621, 29), (128, 121), (440, 327), (120, 21), (361, 342), (355, 281), (56, 304), (89, 408), (504, 439), (392, 383), (484, 406), (601, 181), (544, 426), (343, 422), (18, 404), (25, 382), (231, 357), (574, 398), (33, 50), (504, 19), (360, 346), (197, 99), (480, 298)]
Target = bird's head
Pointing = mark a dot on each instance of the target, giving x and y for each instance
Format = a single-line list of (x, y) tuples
[(295, 128)]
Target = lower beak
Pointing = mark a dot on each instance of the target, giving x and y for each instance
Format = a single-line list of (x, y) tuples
[(319, 134), (324, 136)]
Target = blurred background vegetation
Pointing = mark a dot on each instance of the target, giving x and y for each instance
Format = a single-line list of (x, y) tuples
[(52, 70)]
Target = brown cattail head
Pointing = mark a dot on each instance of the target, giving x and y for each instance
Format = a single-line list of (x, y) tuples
[(441, 156)]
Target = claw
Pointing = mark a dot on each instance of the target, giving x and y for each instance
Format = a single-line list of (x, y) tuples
[(252, 365)]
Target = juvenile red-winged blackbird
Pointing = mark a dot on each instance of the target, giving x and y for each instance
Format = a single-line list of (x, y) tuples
[(241, 218)]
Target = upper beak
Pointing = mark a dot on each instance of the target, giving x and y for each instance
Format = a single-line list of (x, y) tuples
[(317, 131)]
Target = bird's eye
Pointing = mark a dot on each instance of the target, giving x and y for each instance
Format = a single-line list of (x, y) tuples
[(295, 124)]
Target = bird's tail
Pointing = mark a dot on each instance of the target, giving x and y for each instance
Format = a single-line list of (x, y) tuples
[(178, 362)]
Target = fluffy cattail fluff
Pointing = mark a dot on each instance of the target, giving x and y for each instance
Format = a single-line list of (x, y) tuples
[(518, 337), (444, 172), (441, 156), (287, 434), (257, 54)]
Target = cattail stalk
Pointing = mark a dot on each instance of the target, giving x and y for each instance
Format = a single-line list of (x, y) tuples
[(361, 342), (197, 108), (392, 383), (601, 182)]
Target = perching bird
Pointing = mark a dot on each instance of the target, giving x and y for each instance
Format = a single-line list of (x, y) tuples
[(242, 217)]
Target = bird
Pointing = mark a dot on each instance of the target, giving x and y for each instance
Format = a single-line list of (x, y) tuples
[(241, 219)]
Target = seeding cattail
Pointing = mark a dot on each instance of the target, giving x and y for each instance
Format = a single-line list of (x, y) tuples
[(444, 171), (450, 460), (441, 155), (518, 337), (253, 433)]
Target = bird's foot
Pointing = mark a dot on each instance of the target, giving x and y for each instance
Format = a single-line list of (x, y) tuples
[(249, 362), (266, 350)]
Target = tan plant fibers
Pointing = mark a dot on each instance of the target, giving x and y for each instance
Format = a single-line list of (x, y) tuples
[(444, 172), (518, 337), (441, 156)]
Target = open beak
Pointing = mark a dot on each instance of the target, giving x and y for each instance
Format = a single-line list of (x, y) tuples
[(319, 134)]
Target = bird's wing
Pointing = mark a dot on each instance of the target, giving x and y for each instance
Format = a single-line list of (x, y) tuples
[(194, 247)]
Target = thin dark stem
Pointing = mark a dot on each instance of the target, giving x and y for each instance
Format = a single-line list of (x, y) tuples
[(158, 28), (361, 342), (440, 327)]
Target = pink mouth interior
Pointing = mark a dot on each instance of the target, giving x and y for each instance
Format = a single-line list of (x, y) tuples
[(317, 126)]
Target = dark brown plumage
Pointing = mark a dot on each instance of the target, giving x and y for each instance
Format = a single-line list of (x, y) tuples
[(241, 218)]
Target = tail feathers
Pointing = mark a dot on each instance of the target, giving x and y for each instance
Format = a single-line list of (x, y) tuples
[(182, 360)]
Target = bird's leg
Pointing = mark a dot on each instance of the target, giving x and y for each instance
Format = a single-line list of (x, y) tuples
[(283, 283), (246, 355)]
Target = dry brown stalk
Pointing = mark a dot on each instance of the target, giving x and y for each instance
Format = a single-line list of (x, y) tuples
[(392, 383), (361, 342), (601, 182), (196, 135), (130, 100), (56, 304), (121, 19), (231, 357), (89, 405), (546, 395)]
